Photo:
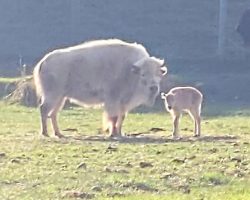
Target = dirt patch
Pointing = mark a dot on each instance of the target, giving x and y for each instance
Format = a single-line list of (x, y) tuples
[(78, 194)]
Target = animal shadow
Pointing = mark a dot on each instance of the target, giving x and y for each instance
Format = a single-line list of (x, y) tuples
[(153, 135), (149, 137)]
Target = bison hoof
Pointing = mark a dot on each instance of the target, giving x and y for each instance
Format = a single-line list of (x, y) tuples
[(44, 134), (59, 135), (115, 136), (176, 137)]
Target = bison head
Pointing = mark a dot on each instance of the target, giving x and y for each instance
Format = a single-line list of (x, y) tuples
[(150, 71)]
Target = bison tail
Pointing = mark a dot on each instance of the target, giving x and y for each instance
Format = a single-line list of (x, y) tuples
[(37, 81)]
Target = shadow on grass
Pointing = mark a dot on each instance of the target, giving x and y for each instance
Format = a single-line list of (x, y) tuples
[(147, 138)]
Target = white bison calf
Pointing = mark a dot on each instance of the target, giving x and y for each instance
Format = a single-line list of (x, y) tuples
[(181, 99), (117, 74)]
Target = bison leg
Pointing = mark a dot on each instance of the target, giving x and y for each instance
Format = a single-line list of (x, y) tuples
[(44, 116), (112, 124), (119, 124), (45, 108), (53, 116), (49, 108), (112, 110), (112, 128), (105, 122)]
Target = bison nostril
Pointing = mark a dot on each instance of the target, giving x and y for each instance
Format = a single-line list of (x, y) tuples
[(153, 89)]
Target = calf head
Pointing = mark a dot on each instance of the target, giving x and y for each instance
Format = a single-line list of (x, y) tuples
[(168, 100)]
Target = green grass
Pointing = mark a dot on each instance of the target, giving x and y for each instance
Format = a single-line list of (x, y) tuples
[(213, 167)]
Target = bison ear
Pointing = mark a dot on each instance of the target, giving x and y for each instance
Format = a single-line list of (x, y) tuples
[(135, 69)]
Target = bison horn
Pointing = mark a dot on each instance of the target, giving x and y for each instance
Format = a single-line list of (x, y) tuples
[(164, 69)]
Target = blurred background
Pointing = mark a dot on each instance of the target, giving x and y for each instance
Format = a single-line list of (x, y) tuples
[(197, 38)]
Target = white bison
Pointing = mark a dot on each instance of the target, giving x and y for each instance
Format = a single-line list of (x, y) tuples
[(181, 99), (117, 74)]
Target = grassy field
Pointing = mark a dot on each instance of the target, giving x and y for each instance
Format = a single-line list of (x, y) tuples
[(147, 164)]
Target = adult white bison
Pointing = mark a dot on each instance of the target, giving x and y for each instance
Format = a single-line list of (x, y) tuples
[(117, 74)]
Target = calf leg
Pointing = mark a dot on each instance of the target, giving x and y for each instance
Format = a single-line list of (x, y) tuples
[(197, 121), (198, 126), (176, 118)]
